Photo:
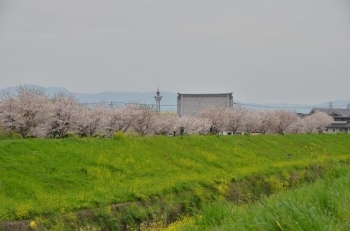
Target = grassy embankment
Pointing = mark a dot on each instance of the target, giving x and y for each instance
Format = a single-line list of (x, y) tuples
[(324, 206), (41, 178)]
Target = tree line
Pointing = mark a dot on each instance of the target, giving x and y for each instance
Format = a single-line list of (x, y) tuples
[(31, 113)]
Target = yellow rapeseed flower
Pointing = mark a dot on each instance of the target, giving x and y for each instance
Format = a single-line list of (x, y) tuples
[(32, 225)]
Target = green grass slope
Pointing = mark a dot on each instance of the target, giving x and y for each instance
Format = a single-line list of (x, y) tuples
[(40, 177), (324, 205)]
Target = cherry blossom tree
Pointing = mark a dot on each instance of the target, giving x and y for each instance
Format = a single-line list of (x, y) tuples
[(235, 118), (186, 122), (284, 119), (91, 120), (164, 123), (112, 121), (297, 126), (65, 114), (200, 126), (26, 112), (194, 125), (30, 112), (317, 121), (143, 124), (251, 122), (217, 116), (266, 119), (121, 118)]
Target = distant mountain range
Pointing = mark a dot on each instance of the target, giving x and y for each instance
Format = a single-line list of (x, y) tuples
[(168, 102), (169, 99)]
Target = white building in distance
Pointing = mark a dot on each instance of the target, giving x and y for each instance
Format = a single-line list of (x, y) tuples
[(192, 104)]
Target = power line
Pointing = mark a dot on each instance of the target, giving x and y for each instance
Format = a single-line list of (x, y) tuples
[(115, 103), (266, 106), (291, 107)]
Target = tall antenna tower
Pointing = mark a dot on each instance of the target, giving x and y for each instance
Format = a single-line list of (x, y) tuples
[(158, 98)]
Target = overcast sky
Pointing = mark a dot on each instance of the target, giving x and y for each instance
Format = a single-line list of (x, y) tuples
[(278, 51)]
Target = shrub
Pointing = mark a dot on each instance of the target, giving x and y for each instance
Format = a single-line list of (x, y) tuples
[(119, 135)]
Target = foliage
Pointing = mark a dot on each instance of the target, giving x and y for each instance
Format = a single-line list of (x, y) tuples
[(119, 135), (316, 121), (320, 206), (30, 113), (65, 114), (27, 113), (56, 176), (283, 119)]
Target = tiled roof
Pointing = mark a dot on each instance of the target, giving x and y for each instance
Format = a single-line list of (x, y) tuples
[(335, 112), (339, 125), (302, 115)]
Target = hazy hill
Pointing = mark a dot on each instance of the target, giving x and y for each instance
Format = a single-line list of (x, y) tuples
[(168, 101)]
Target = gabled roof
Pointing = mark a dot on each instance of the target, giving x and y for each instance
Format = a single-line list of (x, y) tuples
[(335, 112)]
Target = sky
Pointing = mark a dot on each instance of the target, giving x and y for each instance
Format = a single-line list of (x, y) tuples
[(271, 51)]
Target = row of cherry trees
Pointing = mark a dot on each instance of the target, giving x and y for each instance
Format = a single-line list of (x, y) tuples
[(280, 121), (31, 113)]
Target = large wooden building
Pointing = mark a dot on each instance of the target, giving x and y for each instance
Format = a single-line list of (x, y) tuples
[(192, 104)]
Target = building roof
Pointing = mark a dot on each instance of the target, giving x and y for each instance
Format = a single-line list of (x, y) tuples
[(339, 125), (334, 112), (302, 115), (199, 94)]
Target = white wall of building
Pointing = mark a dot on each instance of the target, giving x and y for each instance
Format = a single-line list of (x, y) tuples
[(192, 104)]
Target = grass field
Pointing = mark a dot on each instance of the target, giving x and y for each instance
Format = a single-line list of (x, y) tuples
[(324, 206), (53, 177)]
